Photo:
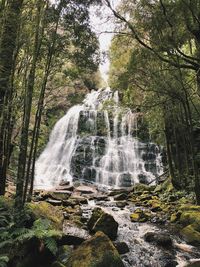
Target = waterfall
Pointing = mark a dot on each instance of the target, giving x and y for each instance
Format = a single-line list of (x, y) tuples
[(97, 142)]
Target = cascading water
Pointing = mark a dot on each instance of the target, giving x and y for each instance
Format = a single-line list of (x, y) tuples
[(97, 141)]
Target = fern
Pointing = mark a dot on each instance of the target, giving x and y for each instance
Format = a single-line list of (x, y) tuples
[(51, 244), (3, 261)]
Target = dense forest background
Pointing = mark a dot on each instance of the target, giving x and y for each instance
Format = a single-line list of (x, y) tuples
[(155, 64), (49, 61), (49, 58)]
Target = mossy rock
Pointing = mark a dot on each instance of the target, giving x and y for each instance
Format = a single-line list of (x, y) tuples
[(190, 217), (98, 251), (101, 221), (190, 235), (155, 204), (173, 218), (139, 216), (165, 186), (189, 207), (142, 187), (45, 210)]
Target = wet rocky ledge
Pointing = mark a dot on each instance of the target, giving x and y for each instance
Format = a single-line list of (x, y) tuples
[(139, 226)]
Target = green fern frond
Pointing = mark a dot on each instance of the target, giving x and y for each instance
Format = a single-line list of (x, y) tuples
[(3, 261), (51, 244), (20, 231), (6, 243), (26, 236)]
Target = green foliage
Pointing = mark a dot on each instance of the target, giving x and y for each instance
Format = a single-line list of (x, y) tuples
[(13, 236), (3, 261)]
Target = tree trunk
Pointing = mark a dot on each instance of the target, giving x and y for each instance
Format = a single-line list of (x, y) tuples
[(26, 118), (7, 50)]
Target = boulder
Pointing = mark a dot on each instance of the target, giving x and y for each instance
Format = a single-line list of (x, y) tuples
[(190, 217), (121, 204), (139, 216), (54, 202), (190, 234), (65, 188), (122, 247), (60, 194), (44, 210), (163, 240), (73, 235), (101, 221), (83, 189), (98, 251), (122, 196)]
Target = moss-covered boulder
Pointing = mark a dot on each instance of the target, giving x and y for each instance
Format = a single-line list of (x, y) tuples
[(140, 216), (44, 210), (98, 251), (161, 239), (101, 221), (190, 217), (190, 235)]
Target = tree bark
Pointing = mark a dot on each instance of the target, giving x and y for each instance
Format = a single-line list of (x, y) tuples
[(7, 59)]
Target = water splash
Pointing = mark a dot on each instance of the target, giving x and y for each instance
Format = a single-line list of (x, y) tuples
[(97, 141)]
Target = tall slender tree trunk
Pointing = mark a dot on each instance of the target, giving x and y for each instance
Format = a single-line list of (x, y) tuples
[(26, 117), (7, 50), (34, 144)]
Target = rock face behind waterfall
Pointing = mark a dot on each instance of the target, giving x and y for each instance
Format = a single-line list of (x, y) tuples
[(97, 142)]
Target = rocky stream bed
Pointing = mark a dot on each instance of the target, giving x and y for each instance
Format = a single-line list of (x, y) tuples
[(149, 227)]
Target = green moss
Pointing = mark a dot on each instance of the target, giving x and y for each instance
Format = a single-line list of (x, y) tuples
[(45, 210), (190, 235), (189, 217), (139, 216), (96, 252)]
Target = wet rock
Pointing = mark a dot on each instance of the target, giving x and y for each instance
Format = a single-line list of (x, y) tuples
[(122, 196), (101, 221), (125, 180), (101, 198), (64, 183), (122, 247), (65, 188), (73, 235), (194, 263), (69, 203), (95, 252), (139, 216), (115, 192), (168, 261), (86, 190), (121, 204), (142, 187), (54, 202), (160, 239), (190, 234), (79, 199), (60, 195)]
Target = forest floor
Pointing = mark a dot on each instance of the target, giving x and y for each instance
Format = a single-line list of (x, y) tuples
[(148, 226)]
